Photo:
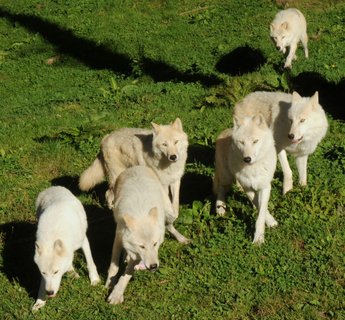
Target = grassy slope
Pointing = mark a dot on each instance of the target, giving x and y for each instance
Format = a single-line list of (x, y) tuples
[(130, 63)]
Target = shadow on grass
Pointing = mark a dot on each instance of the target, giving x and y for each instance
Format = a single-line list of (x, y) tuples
[(195, 186), (99, 56), (18, 255), (240, 61), (331, 95)]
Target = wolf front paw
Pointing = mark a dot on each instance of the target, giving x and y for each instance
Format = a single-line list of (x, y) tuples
[(115, 297), (95, 280), (259, 238), (220, 208), (38, 304), (270, 221)]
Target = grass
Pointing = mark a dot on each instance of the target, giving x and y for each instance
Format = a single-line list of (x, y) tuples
[(70, 72)]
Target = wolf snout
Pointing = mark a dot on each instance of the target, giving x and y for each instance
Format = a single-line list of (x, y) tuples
[(153, 267), (173, 157), (247, 159), (50, 293)]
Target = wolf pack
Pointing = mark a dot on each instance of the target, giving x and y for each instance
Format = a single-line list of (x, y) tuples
[(144, 168)]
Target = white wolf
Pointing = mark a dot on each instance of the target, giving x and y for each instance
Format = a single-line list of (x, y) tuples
[(141, 209), (288, 28), (61, 230), (163, 149), (246, 154), (298, 124)]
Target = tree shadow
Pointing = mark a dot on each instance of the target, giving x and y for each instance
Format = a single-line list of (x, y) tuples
[(99, 56), (240, 61), (331, 95)]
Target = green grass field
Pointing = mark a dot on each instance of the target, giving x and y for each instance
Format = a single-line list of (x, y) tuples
[(72, 71)]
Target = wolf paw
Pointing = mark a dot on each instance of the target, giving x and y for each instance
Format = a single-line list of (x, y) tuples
[(271, 222), (221, 209), (259, 239), (95, 281), (38, 304), (115, 298)]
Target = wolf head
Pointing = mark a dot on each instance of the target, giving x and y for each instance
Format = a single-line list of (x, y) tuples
[(143, 237), (299, 115), (251, 136), (281, 35), (52, 261), (170, 141)]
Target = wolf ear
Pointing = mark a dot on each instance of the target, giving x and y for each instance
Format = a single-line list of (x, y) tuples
[(156, 127), (59, 247), (129, 221), (153, 213), (237, 121), (285, 25), (296, 96), (259, 120), (38, 249), (177, 124), (272, 27), (315, 100)]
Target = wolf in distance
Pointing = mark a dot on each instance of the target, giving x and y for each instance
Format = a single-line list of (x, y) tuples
[(288, 28), (246, 154), (163, 149), (298, 125), (141, 209), (61, 230)]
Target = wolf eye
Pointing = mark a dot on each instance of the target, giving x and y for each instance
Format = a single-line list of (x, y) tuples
[(302, 120), (44, 273), (256, 141), (241, 142), (177, 141), (155, 244), (55, 272), (142, 246), (164, 144)]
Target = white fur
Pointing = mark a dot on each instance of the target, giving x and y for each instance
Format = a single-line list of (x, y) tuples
[(163, 149), (288, 28), (61, 230), (298, 125), (141, 209), (246, 154)]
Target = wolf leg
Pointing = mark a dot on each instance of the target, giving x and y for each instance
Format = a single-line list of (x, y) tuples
[(175, 195), (116, 295), (91, 267), (262, 200), (301, 163), (41, 297), (304, 41), (287, 173), (115, 259), (291, 55)]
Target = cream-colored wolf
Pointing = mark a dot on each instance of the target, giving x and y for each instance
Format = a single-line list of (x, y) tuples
[(298, 125), (163, 149), (246, 154), (141, 209), (288, 28), (61, 231)]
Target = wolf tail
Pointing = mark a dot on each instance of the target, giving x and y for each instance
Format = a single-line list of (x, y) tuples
[(93, 175)]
